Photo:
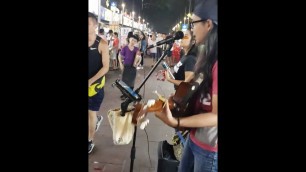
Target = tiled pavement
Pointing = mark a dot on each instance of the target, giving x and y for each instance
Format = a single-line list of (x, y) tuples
[(113, 158)]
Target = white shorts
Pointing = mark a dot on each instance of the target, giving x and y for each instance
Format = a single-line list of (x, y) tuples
[(113, 55)]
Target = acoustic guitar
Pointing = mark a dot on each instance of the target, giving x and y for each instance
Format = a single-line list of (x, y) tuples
[(179, 103)]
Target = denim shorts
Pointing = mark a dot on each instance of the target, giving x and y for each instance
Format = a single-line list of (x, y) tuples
[(196, 159), (95, 101)]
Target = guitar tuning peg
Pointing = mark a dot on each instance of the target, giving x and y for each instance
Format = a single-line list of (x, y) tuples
[(155, 92), (159, 96), (144, 123)]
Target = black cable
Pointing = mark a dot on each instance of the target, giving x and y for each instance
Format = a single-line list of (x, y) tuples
[(143, 95), (144, 91), (148, 147)]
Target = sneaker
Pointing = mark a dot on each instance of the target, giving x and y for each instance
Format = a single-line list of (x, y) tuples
[(100, 118), (90, 146), (139, 67)]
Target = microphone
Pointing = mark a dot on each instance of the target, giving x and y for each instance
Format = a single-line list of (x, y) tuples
[(178, 35)]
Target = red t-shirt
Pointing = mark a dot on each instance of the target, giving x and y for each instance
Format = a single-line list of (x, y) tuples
[(116, 43), (176, 52), (206, 106)]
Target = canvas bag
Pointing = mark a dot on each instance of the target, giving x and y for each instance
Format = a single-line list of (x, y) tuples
[(122, 126)]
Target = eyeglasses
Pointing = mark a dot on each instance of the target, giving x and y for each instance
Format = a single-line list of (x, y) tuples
[(192, 23)]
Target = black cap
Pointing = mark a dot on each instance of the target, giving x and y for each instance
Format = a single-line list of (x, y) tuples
[(207, 9), (92, 15), (135, 37), (130, 34)]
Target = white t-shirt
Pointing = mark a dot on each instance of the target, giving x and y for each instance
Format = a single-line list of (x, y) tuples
[(151, 42), (103, 37), (110, 40), (159, 39)]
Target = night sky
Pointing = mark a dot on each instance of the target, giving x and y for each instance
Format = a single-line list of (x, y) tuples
[(163, 15)]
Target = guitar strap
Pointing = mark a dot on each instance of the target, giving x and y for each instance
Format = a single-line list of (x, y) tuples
[(181, 137)]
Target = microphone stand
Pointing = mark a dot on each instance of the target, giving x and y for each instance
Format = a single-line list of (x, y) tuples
[(154, 67), (128, 100), (133, 150)]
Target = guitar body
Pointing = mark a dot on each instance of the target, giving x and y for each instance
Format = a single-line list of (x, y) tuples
[(181, 103), (182, 99), (158, 106)]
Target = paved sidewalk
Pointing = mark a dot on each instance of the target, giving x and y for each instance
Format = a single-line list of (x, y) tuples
[(114, 158)]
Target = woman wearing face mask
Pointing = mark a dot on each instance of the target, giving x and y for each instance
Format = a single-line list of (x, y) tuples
[(183, 70), (153, 50), (131, 59)]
